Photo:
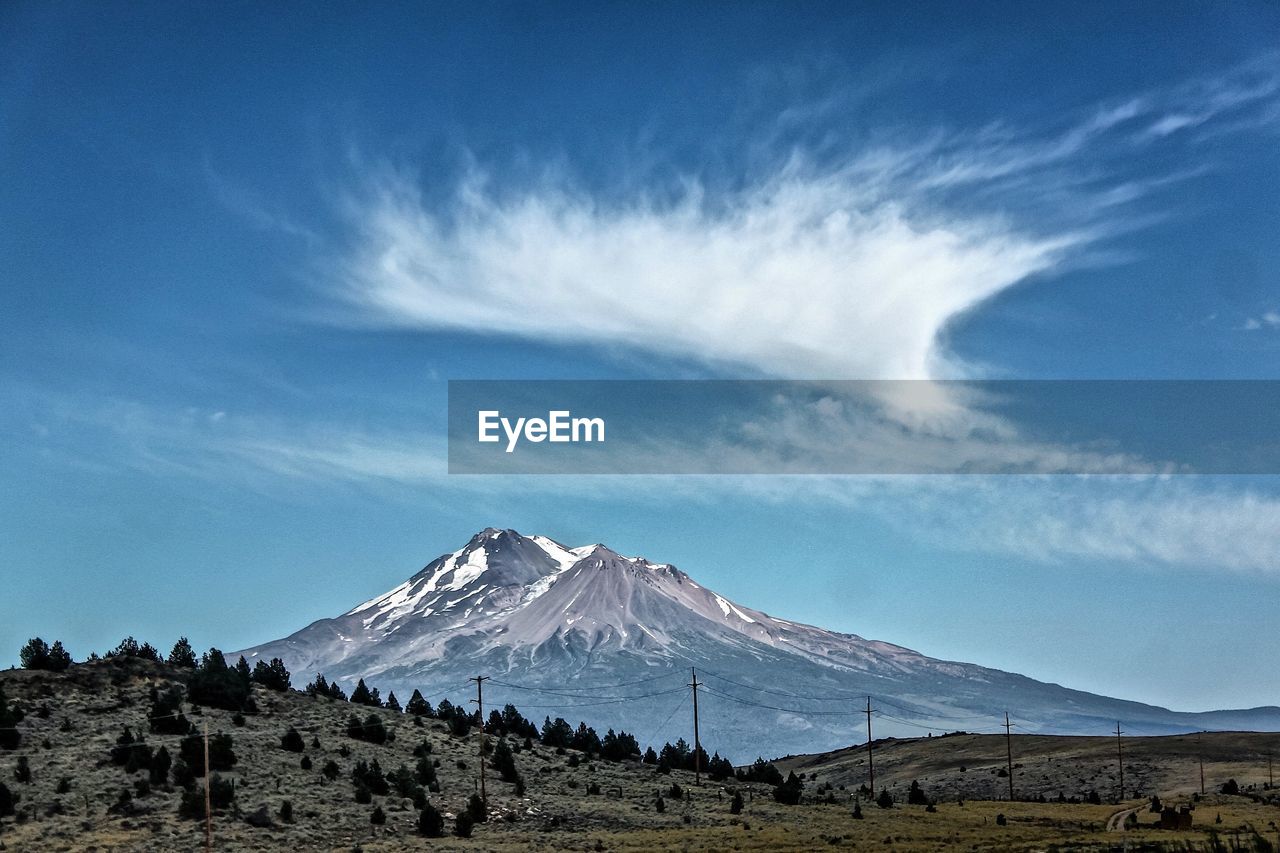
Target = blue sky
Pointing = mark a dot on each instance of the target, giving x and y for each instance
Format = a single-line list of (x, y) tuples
[(244, 247)]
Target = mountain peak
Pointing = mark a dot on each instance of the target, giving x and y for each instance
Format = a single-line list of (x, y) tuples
[(536, 611)]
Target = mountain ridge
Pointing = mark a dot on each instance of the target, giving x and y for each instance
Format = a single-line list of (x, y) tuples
[(561, 620)]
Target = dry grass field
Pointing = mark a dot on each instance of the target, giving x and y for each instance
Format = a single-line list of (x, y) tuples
[(560, 809)]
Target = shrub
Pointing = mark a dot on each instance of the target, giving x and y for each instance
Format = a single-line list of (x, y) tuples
[(504, 761), (736, 804), (10, 716), (286, 812), (463, 824), (158, 771), (378, 818), (1001, 820), (305, 764), (476, 809), (430, 822), (885, 800), (292, 741), (370, 776), (7, 800), (221, 754), (22, 773), (165, 716), (857, 811), (370, 730), (659, 804), (222, 793), (788, 793), (331, 770), (915, 796)]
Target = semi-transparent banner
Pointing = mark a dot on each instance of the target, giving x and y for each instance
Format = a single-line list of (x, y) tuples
[(864, 427)]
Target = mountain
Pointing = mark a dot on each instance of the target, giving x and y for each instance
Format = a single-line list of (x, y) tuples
[(588, 634)]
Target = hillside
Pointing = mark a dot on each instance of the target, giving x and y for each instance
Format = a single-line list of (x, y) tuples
[(571, 801), (973, 766)]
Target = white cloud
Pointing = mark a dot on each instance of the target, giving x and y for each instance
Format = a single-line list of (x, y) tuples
[(821, 267), (1268, 320), (804, 273)]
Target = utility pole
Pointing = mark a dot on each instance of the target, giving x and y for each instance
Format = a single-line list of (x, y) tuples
[(208, 810), (871, 766), (1200, 754), (479, 700), (1271, 780), (697, 743), (1120, 754), (1008, 748)]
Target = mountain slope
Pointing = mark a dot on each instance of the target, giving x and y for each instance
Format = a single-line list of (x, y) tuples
[(586, 633)]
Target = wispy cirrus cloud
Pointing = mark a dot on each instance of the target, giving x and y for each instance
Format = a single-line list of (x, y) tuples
[(828, 266)]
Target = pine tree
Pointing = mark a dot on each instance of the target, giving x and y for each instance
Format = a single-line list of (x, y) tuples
[(292, 741), (430, 822), (158, 772), (182, 654), (361, 695), (219, 686), (272, 676), (788, 793), (418, 706), (243, 671), (476, 809), (735, 806), (35, 654), (504, 762), (7, 801), (10, 716), (393, 704)]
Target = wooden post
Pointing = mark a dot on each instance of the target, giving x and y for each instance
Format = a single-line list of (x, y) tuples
[(208, 809), (479, 700), (1008, 748), (1120, 755), (871, 766), (697, 742)]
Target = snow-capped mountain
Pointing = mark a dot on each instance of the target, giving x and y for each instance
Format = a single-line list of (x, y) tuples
[(588, 634)]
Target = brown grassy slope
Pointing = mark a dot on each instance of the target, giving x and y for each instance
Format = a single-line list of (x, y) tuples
[(968, 765)]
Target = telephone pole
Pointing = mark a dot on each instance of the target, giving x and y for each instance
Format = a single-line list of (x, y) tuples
[(697, 743), (1200, 755), (1120, 754), (1271, 780), (1008, 749), (479, 700), (871, 766), (208, 810)]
